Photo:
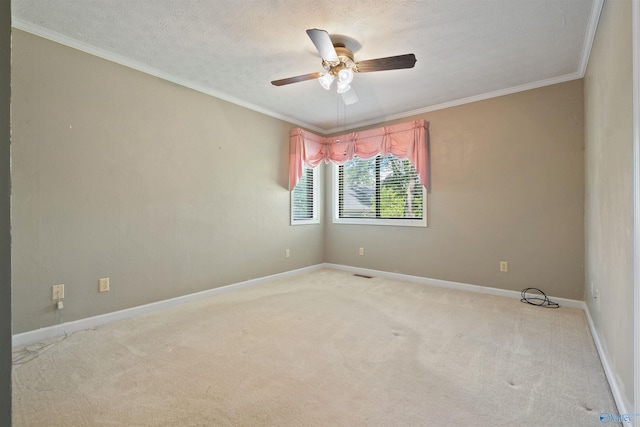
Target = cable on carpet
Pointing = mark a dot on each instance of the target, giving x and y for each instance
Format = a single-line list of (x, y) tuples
[(540, 298), (30, 352)]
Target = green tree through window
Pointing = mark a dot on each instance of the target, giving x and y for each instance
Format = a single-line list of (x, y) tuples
[(381, 187)]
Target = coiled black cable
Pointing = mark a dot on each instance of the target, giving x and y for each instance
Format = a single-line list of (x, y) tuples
[(541, 300)]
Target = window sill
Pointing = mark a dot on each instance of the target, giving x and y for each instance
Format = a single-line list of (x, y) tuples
[(387, 222)]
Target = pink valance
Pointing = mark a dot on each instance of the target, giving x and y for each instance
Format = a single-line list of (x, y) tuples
[(405, 141)]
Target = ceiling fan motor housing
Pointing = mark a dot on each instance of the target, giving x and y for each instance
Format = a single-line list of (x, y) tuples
[(345, 57), (337, 61)]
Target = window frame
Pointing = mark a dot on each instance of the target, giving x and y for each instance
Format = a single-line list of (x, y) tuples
[(315, 219), (401, 222)]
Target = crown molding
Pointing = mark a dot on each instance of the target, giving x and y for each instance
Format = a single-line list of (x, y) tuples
[(596, 9), (462, 101), (109, 56), (590, 36)]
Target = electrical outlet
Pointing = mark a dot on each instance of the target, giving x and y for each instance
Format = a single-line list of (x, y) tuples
[(504, 266), (287, 253), (57, 292), (103, 285), (361, 251)]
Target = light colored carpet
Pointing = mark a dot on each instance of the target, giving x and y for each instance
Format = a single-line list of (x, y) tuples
[(323, 348)]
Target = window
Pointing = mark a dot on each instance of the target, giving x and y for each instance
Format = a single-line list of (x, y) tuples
[(379, 191), (304, 198)]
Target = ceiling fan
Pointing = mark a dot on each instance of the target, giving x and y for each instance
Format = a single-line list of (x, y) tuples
[(337, 60)]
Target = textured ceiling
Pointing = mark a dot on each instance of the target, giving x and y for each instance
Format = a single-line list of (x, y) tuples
[(466, 49)]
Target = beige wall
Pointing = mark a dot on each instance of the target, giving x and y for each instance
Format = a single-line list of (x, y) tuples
[(5, 237), (609, 191), (123, 175), (507, 185), (118, 174)]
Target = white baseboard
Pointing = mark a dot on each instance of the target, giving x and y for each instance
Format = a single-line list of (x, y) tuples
[(623, 407), (565, 302), (54, 331), (49, 332), (42, 334)]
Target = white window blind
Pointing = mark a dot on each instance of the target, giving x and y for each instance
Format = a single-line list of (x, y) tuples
[(304, 198), (380, 190)]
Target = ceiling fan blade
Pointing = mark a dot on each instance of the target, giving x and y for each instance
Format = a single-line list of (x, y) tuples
[(296, 79), (389, 63), (323, 43), (350, 97)]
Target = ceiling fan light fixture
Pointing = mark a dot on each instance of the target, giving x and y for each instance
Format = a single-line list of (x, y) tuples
[(337, 61), (326, 80), (343, 87), (345, 76)]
